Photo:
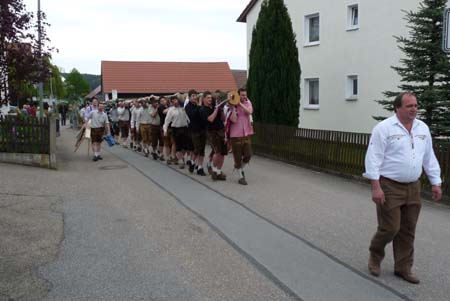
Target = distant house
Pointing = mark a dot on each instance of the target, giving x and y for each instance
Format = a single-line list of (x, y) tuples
[(97, 93), (138, 79), (346, 50)]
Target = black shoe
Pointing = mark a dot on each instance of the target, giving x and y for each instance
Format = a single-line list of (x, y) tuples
[(221, 177), (191, 167), (242, 181), (161, 158), (99, 157), (131, 145), (200, 172), (95, 159), (155, 156)]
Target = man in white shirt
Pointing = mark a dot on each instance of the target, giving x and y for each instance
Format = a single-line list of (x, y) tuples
[(124, 122), (144, 126), (89, 109), (155, 129), (99, 125), (399, 147), (178, 121), (134, 124)]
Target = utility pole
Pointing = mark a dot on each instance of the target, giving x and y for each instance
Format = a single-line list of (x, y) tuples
[(40, 84)]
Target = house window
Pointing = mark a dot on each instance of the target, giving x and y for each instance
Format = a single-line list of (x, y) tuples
[(312, 93), (352, 87), (312, 30), (353, 17)]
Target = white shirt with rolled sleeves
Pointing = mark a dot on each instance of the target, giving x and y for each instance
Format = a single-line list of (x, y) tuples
[(135, 112), (176, 117), (124, 114), (399, 155)]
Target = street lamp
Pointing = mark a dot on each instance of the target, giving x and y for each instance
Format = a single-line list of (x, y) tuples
[(40, 85), (51, 87)]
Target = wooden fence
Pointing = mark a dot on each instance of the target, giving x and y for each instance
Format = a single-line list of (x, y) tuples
[(20, 134), (338, 152)]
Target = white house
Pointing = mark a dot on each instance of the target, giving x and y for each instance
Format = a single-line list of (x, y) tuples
[(346, 49)]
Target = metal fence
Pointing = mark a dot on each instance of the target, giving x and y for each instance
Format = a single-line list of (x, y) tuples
[(19, 134), (333, 151)]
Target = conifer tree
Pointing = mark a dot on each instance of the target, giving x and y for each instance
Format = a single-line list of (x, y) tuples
[(425, 70), (274, 72)]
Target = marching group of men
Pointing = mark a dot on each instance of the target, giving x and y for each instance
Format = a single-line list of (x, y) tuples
[(399, 148), (178, 132)]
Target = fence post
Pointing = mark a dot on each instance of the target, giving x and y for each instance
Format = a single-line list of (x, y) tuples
[(52, 138)]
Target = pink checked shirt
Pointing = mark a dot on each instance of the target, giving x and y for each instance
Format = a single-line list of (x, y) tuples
[(242, 127)]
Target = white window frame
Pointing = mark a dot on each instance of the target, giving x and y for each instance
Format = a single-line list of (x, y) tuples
[(350, 25), (307, 29), (350, 87), (308, 105)]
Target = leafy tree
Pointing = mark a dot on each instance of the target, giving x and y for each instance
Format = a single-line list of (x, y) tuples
[(14, 24), (19, 64), (425, 70), (76, 86), (58, 86), (274, 73)]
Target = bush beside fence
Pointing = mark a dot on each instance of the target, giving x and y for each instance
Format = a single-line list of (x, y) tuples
[(338, 152)]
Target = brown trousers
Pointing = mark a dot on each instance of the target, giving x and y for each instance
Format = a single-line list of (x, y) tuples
[(242, 150), (397, 220), (144, 130)]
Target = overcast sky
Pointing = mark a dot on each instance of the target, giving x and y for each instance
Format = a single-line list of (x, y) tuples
[(89, 31)]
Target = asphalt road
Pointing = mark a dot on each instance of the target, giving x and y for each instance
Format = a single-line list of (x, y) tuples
[(135, 229)]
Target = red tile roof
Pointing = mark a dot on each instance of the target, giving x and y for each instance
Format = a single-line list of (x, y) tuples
[(165, 77), (243, 17)]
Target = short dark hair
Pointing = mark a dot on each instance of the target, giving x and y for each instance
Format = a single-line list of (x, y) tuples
[(192, 91), (242, 90), (206, 93), (399, 98), (173, 97)]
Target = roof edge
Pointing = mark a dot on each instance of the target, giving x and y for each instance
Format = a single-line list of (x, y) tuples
[(243, 16), (165, 62)]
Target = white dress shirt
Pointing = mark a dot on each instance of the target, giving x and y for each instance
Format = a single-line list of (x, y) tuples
[(124, 114), (176, 117), (143, 116), (135, 117), (399, 155)]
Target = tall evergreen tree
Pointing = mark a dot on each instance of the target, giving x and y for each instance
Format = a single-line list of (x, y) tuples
[(274, 71), (425, 70)]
